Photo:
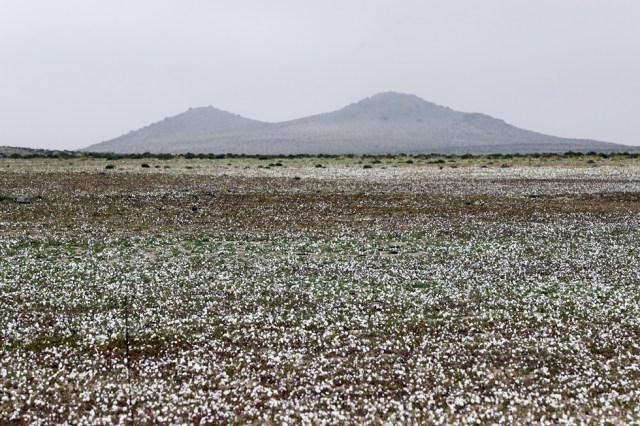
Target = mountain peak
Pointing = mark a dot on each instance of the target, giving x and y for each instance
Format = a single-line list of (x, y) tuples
[(401, 106), (392, 98), (391, 95)]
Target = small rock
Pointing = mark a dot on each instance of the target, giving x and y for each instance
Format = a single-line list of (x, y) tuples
[(22, 200), (468, 202)]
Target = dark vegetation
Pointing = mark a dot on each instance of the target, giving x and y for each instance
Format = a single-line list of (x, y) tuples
[(375, 159)]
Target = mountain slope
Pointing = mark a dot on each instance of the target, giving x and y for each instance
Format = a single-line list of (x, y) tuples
[(193, 126), (384, 123)]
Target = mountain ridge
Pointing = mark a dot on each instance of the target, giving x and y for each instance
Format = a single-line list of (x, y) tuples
[(385, 123)]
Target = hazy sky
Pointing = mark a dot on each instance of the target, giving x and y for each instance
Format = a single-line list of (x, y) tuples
[(74, 73)]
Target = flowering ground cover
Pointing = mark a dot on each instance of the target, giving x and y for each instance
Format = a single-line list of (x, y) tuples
[(319, 291)]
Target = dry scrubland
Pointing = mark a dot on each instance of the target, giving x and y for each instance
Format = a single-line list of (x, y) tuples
[(224, 291)]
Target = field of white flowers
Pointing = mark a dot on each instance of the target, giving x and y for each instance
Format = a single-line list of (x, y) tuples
[(231, 291)]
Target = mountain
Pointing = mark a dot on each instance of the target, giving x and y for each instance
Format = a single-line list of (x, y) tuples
[(171, 135), (384, 123)]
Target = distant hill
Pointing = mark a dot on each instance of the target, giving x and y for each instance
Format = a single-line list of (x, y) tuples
[(7, 151), (386, 123)]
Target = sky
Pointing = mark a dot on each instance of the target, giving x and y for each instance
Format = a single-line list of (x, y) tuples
[(78, 72)]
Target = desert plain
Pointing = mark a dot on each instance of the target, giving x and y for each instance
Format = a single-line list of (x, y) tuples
[(320, 290)]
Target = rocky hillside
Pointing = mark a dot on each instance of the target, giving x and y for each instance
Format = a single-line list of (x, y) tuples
[(384, 123)]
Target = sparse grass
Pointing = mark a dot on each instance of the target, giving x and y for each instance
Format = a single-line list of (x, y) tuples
[(345, 295)]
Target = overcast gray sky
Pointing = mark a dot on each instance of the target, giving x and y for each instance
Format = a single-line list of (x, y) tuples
[(77, 72)]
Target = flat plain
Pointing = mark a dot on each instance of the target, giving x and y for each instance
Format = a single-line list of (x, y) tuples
[(320, 290)]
